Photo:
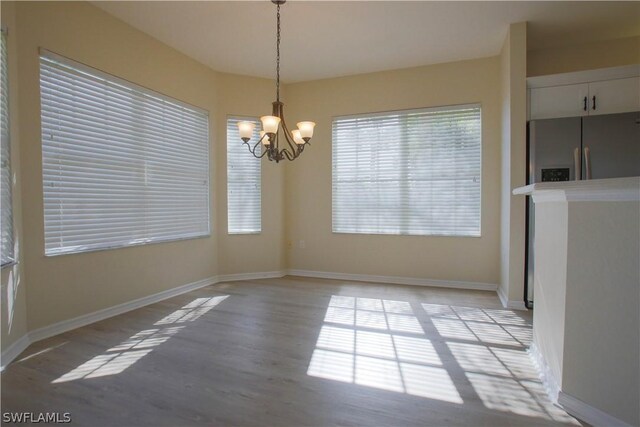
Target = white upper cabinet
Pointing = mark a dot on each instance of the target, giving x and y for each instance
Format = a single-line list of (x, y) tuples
[(614, 96), (560, 101), (585, 93)]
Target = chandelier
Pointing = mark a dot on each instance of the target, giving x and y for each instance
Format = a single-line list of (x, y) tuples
[(274, 127)]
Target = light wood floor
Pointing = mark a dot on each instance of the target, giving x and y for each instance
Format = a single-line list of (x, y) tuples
[(290, 352)]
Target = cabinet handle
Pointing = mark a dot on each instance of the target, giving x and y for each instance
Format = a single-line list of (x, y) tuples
[(585, 103), (594, 102)]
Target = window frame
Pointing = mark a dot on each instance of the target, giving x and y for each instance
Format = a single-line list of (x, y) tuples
[(255, 120), (450, 107), (118, 81)]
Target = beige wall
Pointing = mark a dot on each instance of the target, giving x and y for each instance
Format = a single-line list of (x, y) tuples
[(247, 253), (589, 56), (513, 159), (308, 185), (67, 286), (13, 297)]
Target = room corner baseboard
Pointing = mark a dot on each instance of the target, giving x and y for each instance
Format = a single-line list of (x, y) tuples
[(572, 405), (588, 413), (549, 381), (96, 316), (516, 305), (252, 276), (506, 303), (395, 280), (502, 296), (14, 351)]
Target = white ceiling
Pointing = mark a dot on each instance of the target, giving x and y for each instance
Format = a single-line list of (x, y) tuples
[(322, 39)]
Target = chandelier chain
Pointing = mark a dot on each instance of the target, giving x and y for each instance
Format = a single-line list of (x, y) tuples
[(278, 59)]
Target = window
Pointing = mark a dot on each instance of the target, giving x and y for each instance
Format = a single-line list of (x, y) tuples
[(243, 181), (122, 165), (408, 172), (5, 178)]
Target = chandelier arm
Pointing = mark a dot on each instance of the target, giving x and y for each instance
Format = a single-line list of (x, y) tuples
[(253, 150), (286, 137), (261, 155), (255, 146), (266, 149), (289, 156)]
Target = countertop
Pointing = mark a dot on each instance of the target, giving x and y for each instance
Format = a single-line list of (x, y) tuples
[(612, 189)]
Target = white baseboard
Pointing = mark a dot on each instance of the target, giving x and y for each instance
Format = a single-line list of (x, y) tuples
[(549, 381), (251, 276), (66, 325), (572, 405), (96, 316), (506, 303), (14, 351), (503, 297), (395, 280), (588, 413), (516, 305)]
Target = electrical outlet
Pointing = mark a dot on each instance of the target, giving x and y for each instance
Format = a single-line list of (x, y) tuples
[(302, 244)]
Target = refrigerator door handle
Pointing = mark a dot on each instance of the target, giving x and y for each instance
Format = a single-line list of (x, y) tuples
[(577, 164), (587, 162)]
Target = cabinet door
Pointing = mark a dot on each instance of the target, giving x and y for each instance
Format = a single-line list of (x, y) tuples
[(559, 101), (614, 96), (613, 144)]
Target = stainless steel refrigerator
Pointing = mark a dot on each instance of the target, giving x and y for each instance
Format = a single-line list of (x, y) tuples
[(575, 148)]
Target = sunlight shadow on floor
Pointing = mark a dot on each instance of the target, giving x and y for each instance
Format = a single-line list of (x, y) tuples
[(381, 344), (120, 357), (491, 326), (490, 345), (41, 352)]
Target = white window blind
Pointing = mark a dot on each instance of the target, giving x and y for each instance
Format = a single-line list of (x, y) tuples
[(243, 181), (5, 179), (408, 172), (122, 165)]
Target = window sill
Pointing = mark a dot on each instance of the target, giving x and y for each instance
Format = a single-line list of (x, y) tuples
[(367, 233), (125, 245)]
